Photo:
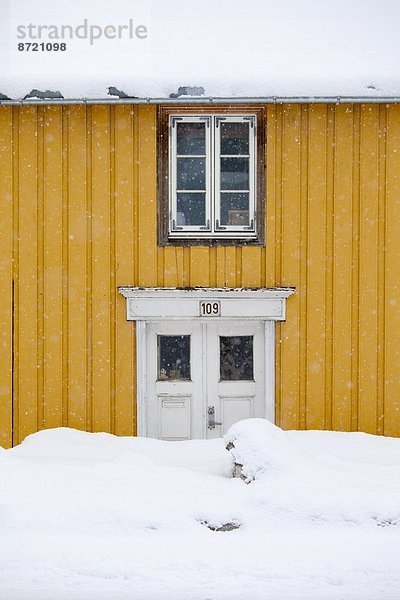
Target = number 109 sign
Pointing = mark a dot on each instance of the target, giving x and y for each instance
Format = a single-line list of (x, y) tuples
[(210, 309)]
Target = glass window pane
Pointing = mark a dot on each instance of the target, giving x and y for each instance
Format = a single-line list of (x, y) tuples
[(173, 357), (191, 209), (236, 358), (235, 209), (234, 173), (191, 174), (191, 138), (234, 138)]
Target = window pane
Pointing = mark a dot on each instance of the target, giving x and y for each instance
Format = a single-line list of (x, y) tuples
[(234, 173), (191, 138), (235, 209), (191, 209), (191, 174), (234, 138), (173, 357), (236, 358)]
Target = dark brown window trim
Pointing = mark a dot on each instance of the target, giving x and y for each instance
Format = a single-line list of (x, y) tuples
[(162, 173)]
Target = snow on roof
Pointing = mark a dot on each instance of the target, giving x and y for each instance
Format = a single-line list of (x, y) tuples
[(210, 49)]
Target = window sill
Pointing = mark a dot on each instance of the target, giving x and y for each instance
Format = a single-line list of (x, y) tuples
[(214, 241)]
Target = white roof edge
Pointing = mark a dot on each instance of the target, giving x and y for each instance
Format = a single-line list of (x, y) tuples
[(203, 292), (209, 100)]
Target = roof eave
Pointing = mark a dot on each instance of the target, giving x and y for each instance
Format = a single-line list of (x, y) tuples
[(210, 100)]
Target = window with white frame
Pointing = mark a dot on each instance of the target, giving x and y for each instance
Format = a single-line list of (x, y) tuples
[(212, 176)]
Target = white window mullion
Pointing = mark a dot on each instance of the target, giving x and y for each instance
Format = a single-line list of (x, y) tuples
[(221, 225), (177, 228), (172, 174), (209, 164), (217, 175), (252, 171), (213, 174)]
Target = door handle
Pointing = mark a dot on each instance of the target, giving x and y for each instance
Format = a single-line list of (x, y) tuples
[(211, 418)]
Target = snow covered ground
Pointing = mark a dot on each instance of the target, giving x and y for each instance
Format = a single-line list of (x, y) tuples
[(91, 516)]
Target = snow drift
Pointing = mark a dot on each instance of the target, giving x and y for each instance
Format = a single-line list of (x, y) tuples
[(93, 516), (262, 449)]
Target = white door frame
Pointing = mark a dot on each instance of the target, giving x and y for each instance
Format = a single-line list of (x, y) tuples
[(145, 305)]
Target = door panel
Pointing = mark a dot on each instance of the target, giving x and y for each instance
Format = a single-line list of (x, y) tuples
[(235, 381), (174, 400), (235, 409), (175, 417)]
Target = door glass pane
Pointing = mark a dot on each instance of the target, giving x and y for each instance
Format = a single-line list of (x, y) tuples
[(234, 174), (234, 138), (191, 138), (191, 174), (236, 358), (191, 208), (173, 357), (234, 209)]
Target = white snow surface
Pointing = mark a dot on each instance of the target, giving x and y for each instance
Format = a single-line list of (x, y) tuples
[(230, 48), (92, 517)]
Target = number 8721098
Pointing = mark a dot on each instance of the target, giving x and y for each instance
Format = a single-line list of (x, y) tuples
[(42, 47)]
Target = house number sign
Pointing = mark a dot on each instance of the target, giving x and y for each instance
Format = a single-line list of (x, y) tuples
[(210, 309)]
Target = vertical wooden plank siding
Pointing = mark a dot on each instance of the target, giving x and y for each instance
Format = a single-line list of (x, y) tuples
[(101, 268), (342, 269), (125, 384), (392, 275), (380, 408), (77, 267), (52, 327), (291, 264), (369, 245), (328, 260), (78, 218), (315, 268), (28, 341), (355, 286), (6, 277), (146, 194), (274, 222), (272, 218), (251, 267)]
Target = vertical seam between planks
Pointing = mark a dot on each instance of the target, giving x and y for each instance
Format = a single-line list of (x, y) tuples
[(133, 382), (12, 357), (263, 249), (89, 358), (65, 114), (278, 254), (239, 278), (382, 154), (304, 149), (332, 207), (356, 237), (360, 266), (14, 265), (136, 142), (329, 206), (112, 300), (40, 273), (15, 168), (135, 246)]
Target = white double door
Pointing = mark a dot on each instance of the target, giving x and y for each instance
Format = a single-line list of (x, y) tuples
[(203, 376)]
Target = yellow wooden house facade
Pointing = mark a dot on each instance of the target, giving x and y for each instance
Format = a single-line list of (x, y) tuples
[(79, 218)]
